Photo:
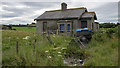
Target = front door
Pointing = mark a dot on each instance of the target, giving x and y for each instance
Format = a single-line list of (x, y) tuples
[(44, 26)]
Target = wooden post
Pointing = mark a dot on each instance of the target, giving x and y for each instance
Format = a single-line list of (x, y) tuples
[(50, 39), (17, 47), (34, 45), (58, 29)]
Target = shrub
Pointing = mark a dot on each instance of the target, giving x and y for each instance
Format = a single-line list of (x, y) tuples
[(109, 32), (6, 48), (98, 37), (75, 52)]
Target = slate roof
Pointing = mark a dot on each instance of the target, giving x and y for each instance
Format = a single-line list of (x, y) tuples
[(66, 14), (89, 15)]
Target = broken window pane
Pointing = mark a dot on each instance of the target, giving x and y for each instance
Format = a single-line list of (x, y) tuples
[(83, 24)]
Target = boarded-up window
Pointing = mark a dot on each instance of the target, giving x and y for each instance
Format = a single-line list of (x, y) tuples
[(68, 27), (62, 27), (83, 24), (44, 26)]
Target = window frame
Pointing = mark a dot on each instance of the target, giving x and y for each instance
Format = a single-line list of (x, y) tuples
[(82, 24), (62, 31), (68, 28)]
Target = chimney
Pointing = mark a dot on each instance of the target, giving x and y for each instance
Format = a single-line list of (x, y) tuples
[(63, 6)]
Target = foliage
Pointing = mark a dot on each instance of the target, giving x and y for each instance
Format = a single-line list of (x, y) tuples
[(75, 52), (45, 54), (109, 25), (25, 28), (102, 50), (6, 27)]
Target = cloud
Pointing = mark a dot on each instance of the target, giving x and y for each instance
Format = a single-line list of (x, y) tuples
[(26, 12), (107, 12), (41, 4), (59, 0)]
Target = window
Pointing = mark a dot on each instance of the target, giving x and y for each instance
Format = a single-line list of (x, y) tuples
[(83, 24), (68, 27), (62, 28)]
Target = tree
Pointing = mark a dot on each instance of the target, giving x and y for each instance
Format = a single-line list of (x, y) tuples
[(108, 25)]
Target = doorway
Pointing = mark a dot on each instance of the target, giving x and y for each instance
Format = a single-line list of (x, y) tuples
[(44, 26)]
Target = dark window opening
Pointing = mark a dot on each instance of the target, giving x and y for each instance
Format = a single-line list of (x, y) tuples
[(83, 24), (62, 28), (68, 27)]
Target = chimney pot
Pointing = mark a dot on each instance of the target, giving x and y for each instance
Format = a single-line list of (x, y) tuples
[(63, 6)]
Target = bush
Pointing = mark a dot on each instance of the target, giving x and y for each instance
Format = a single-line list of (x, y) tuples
[(75, 52), (98, 37), (109, 32), (103, 48)]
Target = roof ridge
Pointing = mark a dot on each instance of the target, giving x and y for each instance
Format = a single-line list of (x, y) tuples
[(67, 9)]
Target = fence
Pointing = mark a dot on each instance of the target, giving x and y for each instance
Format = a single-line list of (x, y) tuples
[(34, 42)]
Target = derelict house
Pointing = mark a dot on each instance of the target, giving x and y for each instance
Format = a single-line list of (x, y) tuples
[(66, 21)]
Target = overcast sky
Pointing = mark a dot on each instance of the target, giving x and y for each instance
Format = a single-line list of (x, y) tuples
[(26, 12)]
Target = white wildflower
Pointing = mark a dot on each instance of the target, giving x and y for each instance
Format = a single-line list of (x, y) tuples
[(49, 57), (75, 65), (63, 48), (56, 48), (59, 52), (27, 37), (46, 51), (83, 64)]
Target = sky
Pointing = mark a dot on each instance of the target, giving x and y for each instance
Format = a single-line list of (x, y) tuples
[(25, 12)]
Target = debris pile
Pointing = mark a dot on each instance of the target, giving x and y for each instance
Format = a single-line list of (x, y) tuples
[(74, 62)]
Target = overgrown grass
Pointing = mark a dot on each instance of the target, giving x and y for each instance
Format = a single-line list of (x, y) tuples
[(45, 54), (102, 50), (25, 28)]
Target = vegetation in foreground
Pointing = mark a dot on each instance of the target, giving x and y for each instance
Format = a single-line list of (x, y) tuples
[(45, 52), (101, 51), (103, 48)]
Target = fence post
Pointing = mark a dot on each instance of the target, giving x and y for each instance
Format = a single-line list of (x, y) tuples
[(34, 45), (17, 47)]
